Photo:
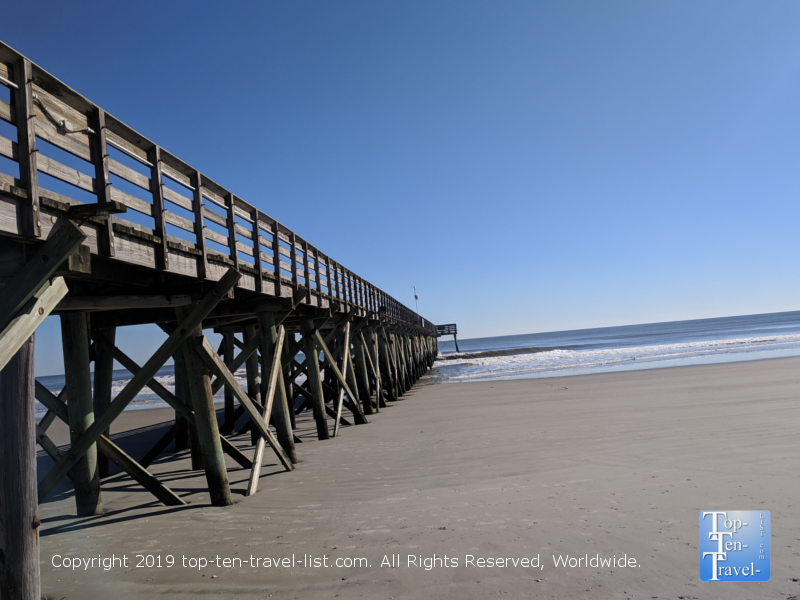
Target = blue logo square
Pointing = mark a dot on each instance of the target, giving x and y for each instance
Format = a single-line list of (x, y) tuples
[(734, 545)]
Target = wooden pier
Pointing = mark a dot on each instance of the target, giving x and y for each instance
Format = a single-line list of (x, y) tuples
[(146, 238)]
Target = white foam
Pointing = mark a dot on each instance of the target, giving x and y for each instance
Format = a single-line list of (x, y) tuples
[(556, 362)]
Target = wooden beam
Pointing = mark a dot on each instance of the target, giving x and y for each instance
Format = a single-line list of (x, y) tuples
[(98, 303), (38, 269), (138, 473), (139, 380), (24, 323)]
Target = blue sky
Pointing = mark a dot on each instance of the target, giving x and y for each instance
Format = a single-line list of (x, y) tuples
[(529, 166)]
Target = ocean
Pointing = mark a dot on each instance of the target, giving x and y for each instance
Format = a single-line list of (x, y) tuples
[(624, 348), (577, 352)]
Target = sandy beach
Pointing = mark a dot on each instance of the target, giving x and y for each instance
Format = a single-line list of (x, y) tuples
[(610, 465)]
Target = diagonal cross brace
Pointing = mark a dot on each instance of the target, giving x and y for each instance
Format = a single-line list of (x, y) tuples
[(112, 451), (268, 394), (217, 366), (25, 322), (358, 414), (135, 385), (186, 412), (340, 399)]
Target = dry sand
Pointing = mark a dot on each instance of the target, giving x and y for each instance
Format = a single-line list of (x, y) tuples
[(611, 464)]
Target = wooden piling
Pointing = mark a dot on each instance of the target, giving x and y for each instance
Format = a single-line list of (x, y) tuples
[(253, 378), (19, 524), (188, 439), (280, 409), (228, 347), (78, 381), (362, 374), (314, 382), (103, 382), (202, 401)]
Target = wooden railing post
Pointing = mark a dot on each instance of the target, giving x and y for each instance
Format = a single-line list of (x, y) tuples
[(293, 259), (97, 122), (259, 266), (200, 224), (231, 220), (26, 147), (157, 189), (276, 257)]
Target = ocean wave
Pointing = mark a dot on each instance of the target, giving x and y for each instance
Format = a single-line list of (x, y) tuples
[(541, 362)]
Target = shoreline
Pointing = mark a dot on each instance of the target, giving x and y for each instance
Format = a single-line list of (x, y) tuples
[(606, 464)]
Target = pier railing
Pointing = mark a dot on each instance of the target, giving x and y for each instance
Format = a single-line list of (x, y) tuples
[(179, 220)]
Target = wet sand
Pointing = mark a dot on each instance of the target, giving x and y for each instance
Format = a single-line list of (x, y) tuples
[(611, 464)]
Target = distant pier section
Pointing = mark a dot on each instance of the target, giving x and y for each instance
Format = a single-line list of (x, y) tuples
[(449, 329)]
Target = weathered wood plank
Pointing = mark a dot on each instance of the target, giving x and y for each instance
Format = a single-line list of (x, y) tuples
[(212, 235), (129, 148), (128, 174), (215, 218), (176, 198), (132, 202), (178, 221), (8, 113), (66, 174), (8, 148), (77, 145), (17, 332)]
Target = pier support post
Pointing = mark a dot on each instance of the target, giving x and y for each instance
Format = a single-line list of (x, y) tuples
[(314, 382), (103, 381), (78, 381), (19, 524), (362, 375), (389, 379), (290, 391), (202, 401), (228, 355), (189, 439), (280, 408), (253, 379)]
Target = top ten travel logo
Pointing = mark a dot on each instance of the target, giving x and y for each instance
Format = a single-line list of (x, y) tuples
[(734, 545)]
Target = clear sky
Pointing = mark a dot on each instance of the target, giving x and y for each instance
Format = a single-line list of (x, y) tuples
[(529, 166)]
